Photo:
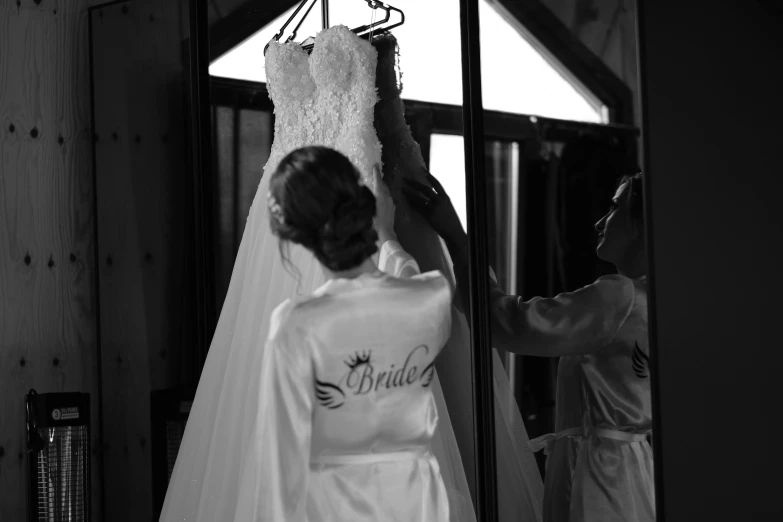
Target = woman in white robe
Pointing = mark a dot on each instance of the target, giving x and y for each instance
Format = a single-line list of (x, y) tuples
[(600, 462), (346, 412), (326, 98)]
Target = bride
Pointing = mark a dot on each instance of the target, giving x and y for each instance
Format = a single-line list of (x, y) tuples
[(346, 410), (329, 99)]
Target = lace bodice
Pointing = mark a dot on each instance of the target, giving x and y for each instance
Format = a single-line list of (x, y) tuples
[(326, 98)]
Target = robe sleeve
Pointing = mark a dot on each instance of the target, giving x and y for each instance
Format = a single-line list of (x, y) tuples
[(275, 478), (395, 261), (571, 323)]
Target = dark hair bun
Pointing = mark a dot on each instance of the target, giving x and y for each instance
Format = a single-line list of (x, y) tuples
[(316, 200), (348, 237)]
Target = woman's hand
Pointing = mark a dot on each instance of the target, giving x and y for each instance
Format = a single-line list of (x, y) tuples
[(435, 206), (384, 208)]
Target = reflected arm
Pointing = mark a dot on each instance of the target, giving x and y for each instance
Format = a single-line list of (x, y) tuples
[(571, 323)]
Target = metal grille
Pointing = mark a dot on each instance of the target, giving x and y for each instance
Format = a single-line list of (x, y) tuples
[(62, 474), (58, 442)]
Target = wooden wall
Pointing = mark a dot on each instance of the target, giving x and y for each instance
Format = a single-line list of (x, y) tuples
[(141, 162), (47, 295), (48, 300)]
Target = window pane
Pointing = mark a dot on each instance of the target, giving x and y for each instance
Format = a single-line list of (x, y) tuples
[(518, 79), (447, 163)]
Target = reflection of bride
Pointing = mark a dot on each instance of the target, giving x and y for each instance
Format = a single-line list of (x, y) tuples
[(330, 99)]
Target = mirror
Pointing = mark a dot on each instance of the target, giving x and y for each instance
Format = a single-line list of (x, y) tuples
[(560, 123), (561, 128)]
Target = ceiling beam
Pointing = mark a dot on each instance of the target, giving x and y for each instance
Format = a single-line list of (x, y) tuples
[(242, 23), (552, 37)]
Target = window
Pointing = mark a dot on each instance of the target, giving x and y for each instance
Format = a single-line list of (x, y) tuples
[(516, 78)]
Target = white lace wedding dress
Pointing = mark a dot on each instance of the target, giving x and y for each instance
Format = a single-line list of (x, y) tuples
[(328, 99)]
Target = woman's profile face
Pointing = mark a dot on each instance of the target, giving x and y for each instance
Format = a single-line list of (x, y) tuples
[(617, 233)]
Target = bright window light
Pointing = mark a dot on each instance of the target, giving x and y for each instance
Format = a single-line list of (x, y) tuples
[(447, 163), (516, 78)]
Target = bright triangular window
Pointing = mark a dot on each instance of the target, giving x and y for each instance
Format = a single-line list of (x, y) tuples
[(516, 78)]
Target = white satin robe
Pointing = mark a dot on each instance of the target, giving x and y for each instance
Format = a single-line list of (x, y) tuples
[(346, 410), (600, 462)]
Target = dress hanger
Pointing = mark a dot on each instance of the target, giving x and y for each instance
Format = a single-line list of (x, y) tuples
[(363, 31), (367, 31)]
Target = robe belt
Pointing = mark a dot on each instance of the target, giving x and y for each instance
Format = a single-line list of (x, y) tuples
[(369, 458), (547, 442)]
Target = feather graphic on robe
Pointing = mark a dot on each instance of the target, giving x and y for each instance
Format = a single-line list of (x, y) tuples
[(329, 395), (640, 362)]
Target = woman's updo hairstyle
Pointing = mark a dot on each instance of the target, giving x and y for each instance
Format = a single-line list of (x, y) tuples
[(316, 200)]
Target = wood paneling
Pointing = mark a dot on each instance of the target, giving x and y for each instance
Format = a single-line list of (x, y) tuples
[(124, 328), (141, 162), (48, 302), (47, 305)]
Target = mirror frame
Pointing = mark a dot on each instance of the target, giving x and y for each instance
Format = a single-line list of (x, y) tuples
[(486, 500)]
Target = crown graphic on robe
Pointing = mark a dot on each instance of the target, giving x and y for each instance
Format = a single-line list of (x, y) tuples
[(358, 359)]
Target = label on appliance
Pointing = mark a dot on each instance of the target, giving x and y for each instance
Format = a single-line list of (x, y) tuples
[(65, 413)]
